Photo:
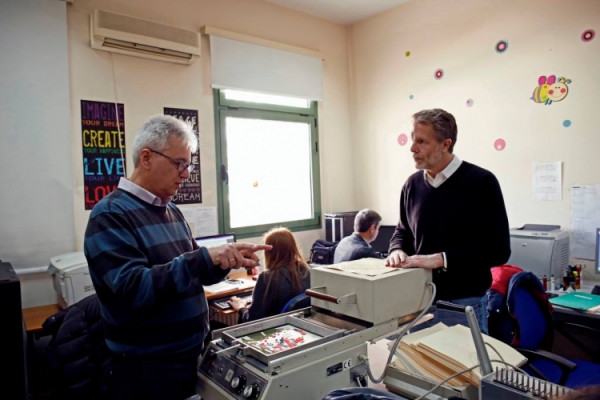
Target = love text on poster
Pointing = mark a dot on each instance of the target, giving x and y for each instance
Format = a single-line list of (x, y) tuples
[(103, 145)]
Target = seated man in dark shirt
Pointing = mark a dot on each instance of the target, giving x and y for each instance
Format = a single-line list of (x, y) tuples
[(356, 246)]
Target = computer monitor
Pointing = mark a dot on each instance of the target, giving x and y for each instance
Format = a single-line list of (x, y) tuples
[(215, 240), (597, 263), (381, 244)]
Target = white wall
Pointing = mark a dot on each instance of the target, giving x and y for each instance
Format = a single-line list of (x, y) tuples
[(544, 38), (146, 86), (36, 202)]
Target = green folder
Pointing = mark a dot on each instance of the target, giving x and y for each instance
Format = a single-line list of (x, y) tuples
[(576, 300)]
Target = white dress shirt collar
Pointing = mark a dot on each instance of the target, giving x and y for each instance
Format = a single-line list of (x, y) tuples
[(140, 192), (444, 174)]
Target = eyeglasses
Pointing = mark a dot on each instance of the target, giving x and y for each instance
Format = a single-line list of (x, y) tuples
[(181, 165)]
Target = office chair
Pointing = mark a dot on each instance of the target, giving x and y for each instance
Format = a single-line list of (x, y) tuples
[(299, 301), (532, 313)]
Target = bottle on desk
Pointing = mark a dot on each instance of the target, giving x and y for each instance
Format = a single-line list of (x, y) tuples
[(552, 287), (577, 280), (545, 283), (579, 272)]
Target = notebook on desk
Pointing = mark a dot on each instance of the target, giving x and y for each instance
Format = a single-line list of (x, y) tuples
[(577, 300)]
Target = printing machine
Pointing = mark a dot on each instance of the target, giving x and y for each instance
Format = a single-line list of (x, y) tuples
[(307, 353)]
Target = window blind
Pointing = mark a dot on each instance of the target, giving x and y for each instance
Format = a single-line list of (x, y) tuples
[(242, 65)]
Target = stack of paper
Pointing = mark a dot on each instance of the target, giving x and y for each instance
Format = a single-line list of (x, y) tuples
[(441, 351), (229, 285), (364, 266)]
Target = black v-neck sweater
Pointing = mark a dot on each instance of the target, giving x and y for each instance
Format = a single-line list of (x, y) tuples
[(464, 217)]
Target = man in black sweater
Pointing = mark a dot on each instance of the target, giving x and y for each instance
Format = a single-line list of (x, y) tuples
[(452, 217)]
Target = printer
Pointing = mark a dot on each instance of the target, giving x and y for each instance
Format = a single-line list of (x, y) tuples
[(70, 278), (541, 249)]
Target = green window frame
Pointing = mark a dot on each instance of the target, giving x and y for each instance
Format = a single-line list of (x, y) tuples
[(225, 108)]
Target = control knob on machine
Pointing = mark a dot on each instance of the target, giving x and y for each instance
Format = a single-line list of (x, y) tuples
[(251, 392), (209, 360), (238, 383), (211, 355)]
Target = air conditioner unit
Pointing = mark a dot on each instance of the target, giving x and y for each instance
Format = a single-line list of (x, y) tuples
[(141, 38)]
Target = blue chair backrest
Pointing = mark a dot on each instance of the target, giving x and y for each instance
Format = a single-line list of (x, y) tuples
[(532, 325), (529, 306), (299, 301)]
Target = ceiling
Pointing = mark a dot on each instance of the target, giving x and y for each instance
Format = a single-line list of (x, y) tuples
[(345, 12)]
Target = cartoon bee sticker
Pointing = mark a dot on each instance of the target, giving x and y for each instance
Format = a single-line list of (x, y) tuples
[(549, 89), (559, 90)]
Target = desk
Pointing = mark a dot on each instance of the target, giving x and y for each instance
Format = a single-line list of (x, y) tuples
[(234, 292), (565, 346), (227, 317), (565, 314), (34, 317)]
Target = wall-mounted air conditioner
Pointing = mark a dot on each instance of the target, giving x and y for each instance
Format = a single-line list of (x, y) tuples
[(141, 38)]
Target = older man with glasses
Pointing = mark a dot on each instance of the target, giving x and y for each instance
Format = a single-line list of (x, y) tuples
[(148, 271)]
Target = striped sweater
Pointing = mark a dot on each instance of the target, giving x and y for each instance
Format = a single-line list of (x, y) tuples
[(148, 273)]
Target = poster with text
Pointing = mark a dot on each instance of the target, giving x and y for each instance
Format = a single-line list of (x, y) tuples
[(103, 143), (191, 190)]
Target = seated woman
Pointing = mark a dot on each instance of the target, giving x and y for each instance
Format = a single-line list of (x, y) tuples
[(285, 276)]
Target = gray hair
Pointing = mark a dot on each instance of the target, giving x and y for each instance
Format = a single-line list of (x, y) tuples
[(155, 133), (443, 124), (364, 219)]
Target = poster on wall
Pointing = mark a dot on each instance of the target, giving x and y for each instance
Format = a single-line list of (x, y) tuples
[(547, 181), (585, 219), (191, 190), (103, 145)]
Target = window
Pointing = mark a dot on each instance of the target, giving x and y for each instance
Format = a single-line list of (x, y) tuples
[(267, 153)]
